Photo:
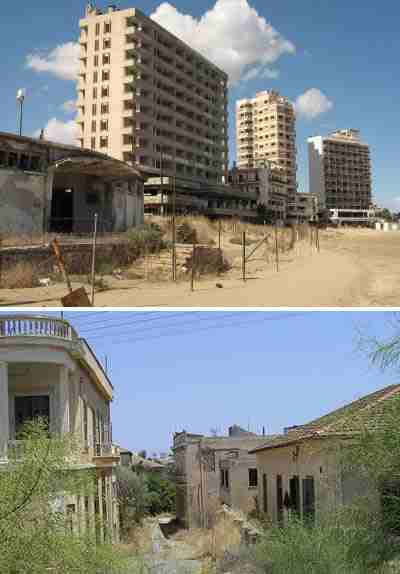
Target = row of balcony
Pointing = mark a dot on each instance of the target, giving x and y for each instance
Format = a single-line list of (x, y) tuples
[(28, 326)]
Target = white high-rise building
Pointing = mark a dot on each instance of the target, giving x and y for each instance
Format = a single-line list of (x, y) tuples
[(340, 171)]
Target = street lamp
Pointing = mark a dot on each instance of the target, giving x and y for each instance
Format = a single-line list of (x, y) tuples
[(20, 99)]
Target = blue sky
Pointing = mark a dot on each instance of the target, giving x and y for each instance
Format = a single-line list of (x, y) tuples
[(347, 50), (201, 370)]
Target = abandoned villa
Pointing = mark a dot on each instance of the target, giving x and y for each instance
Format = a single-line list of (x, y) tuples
[(47, 370)]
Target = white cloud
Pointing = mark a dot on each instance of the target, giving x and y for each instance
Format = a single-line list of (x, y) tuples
[(312, 104), (63, 61), (69, 107), (232, 35), (61, 132)]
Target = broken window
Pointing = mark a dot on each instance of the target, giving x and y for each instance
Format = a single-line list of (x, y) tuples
[(95, 77), (106, 59), (105, 92), (97, 45), (3, 158), (105, 75), (105, 108), (107, 27), (24, 162), (107, 44), (308, 498), (96, 61), (253, 478), (93, 143), (35, 163), (104, 142), (104, 125), (94, 93), (225, 478)]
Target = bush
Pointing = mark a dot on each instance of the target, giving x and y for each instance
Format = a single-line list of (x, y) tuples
[(208, 261), (186, 233), (346, 544), (146, 239)]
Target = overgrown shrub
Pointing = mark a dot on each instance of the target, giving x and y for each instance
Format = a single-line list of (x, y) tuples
[(132, 497), (186, 233), (208, 261), (146, 239), (337, 546)]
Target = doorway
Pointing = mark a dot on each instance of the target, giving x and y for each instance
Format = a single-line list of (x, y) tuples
[(62, 210), (294, 494)]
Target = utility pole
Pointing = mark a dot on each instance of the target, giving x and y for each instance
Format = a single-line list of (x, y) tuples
[(174, 230)]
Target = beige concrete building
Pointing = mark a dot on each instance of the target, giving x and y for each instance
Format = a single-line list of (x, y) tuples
[(267, 184), (211, 471), (147, 98), (301, 471), (50, 187), (340, 172), (47, 371), (266, 130)]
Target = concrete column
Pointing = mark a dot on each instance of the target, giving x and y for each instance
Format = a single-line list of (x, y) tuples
[(64, 402), (4, 414)]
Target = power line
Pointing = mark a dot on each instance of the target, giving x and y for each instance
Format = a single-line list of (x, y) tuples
[(207, 328)]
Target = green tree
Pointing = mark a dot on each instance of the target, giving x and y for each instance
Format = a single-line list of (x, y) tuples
[(132, 495), (161, 494), (35, 531)]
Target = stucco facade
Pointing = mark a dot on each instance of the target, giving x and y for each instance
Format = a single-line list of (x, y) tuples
[(211, 471), (47, 370), (48, 187)]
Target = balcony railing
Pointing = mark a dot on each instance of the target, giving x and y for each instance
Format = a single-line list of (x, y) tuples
[(106, 450), (34, 326)]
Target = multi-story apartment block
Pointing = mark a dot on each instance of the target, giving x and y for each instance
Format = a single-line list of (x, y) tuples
[(266, 130), (211, 471), (147, 98), (47, 371), (266, 183), (340, 171)]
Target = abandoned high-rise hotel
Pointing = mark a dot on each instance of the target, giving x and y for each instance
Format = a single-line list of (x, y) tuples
[(144, 94)]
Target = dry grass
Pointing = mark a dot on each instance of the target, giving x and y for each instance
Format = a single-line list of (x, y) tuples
[(21, 276)]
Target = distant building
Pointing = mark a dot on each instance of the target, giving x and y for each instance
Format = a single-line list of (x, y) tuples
[(266, 183), (149, 99), (48, 371), (266, 130), (305, 208), (211, 471), (340, 174), (51, 187), (301, 471)]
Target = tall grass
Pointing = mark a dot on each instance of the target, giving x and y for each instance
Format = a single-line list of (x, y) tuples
[(349, 542)]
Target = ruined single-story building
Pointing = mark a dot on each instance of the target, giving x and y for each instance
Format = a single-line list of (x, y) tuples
[(214, 470), (302, 470), (51, 187)]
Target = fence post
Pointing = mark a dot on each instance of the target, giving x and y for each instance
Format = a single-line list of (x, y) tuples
[(276, 248), (94, 256), (219, 234), (317, 238), (244, 255), (193, 266)]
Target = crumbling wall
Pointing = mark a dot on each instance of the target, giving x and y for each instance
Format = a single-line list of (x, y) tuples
[(22, 202)]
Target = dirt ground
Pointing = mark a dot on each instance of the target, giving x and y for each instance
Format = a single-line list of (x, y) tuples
[(354, 268)]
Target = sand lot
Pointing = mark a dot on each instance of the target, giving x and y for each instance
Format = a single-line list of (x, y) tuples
[(354, 268)]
